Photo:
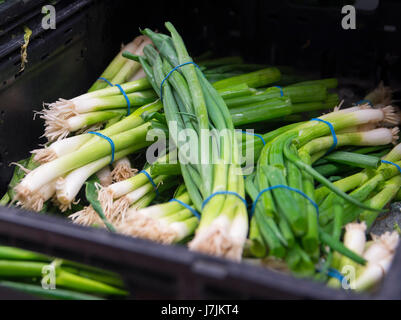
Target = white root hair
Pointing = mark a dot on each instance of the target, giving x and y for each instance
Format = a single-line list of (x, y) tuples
[(86, 217), (106, 199), (44, 155), (119, 210), (141, 226), (55, 128), (395, 132), (122, 170), (390, 116), (61, 109), (215, 240)]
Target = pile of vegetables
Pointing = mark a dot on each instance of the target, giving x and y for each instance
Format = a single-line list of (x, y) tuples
[(312, 179)]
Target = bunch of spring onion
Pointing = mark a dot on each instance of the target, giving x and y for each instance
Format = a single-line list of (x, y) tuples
[(33, 273), (128, 195), (190, 101), (285, 223), (70, 162)]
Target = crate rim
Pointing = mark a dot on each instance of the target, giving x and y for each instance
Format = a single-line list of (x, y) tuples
[(14, 223)]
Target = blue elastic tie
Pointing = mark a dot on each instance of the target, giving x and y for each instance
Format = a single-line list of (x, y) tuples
[(151, 181), (284, 187), (172, 70), (365, 101), (223, 192), (194, 212), (126, 99), (109, 141), (107, 81), (392, 163), (333, 273), (256, 135), (122, 91), (333, 133), (281, 90)]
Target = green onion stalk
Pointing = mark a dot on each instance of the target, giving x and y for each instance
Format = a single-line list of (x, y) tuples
[(27, 269), (296, 94), (376, 137), (276, 108), (56, 294), (384, 181), (120, 70)]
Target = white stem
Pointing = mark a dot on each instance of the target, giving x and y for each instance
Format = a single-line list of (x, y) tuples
[(375, 137), (180, 229), (355, 238), (382, 247), (155, 211), (122, 188), (68, 187), (139, 193), (35, 201), (87, 105), (239, 228), (372, 274)]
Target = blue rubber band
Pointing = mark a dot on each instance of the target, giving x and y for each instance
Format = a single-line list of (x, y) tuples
[(256, 135), (113, 148), (172, 70), (122, 91), (194, 212), (107, 81), (333, 273), (126, 99), (365, 101), (281, 90), (333, 133), (151, 181), (284, 187), (392, 163), (223, 192)]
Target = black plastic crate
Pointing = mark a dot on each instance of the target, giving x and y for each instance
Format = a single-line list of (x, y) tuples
[(65, 61)]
